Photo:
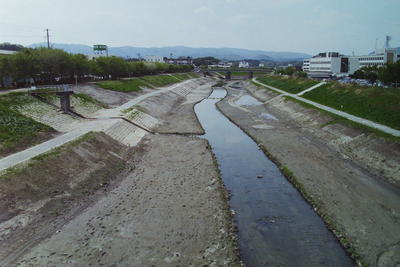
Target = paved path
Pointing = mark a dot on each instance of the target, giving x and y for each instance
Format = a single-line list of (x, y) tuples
[(362, 121), (311, 88), (4, 92), (104, 119)]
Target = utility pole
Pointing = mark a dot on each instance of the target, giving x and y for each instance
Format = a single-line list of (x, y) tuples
[(48, 41)]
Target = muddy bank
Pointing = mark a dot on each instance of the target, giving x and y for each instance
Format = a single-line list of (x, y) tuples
[(168, 211), (175, 110), (159, 203), (354, 200), (378, 155), (108, 97), (38, 197)]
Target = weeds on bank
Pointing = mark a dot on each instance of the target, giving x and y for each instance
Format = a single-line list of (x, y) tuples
[(291, 85), (377, 104), (13, 125), (135, 84), (45, 156), (161, 80), (131, 85), (338, 119), (88, 99)]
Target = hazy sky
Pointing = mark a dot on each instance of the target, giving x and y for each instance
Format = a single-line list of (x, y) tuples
[(309, 26)]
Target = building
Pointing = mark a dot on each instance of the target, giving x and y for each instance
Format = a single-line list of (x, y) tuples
[(158, 59), (328, 64), (306, 65), (244, 64), (179, 60), (379, 58)]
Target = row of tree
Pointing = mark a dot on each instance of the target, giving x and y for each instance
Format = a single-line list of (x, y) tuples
[(388, 74), (44, 66)]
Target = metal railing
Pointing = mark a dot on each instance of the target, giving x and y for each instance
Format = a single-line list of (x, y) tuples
[(62, 88)]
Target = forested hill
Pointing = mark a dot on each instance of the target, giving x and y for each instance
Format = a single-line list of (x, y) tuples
[(176, 51)]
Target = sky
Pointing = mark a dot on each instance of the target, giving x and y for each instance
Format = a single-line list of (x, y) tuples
[(309, 26)]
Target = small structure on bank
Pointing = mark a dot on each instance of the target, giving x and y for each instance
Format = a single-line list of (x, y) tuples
[(62, 91)]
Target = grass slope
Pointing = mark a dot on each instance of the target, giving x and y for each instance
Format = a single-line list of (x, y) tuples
[(131, 85), (161, 80), (377, 104), (15, 128), (135, 84), (291, 85), (185, 76)]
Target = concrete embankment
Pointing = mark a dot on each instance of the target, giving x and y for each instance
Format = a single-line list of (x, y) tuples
[(359, 200), (163, 204)]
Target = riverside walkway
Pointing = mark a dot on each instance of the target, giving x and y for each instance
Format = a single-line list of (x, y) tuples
[(103, 120), (348, 116)]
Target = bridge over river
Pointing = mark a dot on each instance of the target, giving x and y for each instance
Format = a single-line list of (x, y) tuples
[(229, 73)]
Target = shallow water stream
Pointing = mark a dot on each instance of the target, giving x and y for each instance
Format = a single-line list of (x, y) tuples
[(277, 227)]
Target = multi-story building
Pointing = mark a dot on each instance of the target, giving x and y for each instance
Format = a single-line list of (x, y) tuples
[(379, 58), (306, 65), (334, 64), (328, 64)]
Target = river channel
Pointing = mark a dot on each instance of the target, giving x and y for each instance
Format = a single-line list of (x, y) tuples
[(276, 226)]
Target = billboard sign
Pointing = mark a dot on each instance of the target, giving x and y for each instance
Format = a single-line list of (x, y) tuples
[(100, 48)]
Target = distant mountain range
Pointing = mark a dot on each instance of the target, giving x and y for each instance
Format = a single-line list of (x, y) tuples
[(220, 53)]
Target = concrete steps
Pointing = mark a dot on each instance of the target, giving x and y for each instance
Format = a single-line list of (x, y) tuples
[(125, 133), (142, 119)]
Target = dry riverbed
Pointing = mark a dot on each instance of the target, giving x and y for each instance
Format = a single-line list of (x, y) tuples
[(96, 202), (359, 200)]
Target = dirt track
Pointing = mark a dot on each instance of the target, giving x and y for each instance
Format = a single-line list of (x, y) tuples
[(362, 206)]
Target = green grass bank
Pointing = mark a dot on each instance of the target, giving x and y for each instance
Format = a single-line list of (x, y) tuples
[(152, 81), (290, 85), (17, 130), (381, 105)]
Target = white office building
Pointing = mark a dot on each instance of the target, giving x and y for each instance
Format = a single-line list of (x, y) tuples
[(244, 64), (159, 59), (328, 64), (379, 58)]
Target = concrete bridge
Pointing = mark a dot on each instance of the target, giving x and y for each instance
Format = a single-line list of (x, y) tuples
[(228, 72), (62, 91)]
